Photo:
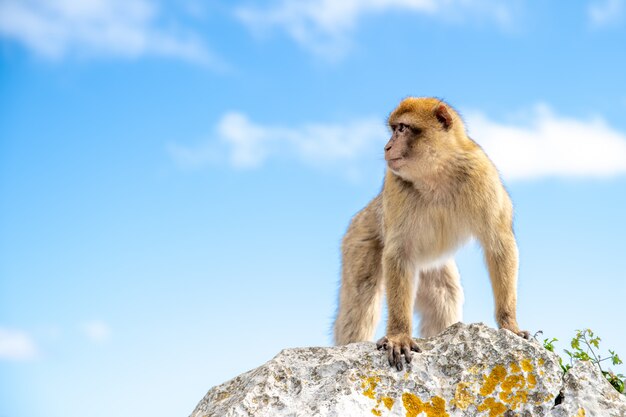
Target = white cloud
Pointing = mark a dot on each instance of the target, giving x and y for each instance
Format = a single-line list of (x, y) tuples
[(606, 12), (16, 345), (547, 145), (97, 331), (129, 28), (324, 25), (542, 145), (248, 144)]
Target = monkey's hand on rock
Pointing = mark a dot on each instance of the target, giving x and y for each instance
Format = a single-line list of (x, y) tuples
[(396, 346), (521, 333)]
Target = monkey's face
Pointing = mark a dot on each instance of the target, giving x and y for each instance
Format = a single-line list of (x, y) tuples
[(422, 136), (403, 146)]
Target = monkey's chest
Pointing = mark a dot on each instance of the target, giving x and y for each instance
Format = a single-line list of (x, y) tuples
[(434, 236)]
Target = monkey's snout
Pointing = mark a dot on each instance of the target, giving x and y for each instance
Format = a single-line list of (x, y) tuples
[(391, 153)]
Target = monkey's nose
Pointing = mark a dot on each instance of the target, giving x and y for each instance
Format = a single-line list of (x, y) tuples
[(387, 146)]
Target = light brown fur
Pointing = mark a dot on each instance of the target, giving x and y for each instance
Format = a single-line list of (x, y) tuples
[(440, 190)]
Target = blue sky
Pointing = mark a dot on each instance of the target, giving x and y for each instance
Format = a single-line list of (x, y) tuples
[(176, 177)]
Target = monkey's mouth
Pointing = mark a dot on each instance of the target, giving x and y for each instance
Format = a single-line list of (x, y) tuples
[(395, 162)]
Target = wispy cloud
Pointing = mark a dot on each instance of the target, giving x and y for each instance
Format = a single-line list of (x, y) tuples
[(128, 28), (16, 345), (324, 26), (548, 145), (606, 12), (544, 144), (97, 331), (248, 144)]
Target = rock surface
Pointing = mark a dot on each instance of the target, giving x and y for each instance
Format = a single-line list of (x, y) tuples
[(468, 370)]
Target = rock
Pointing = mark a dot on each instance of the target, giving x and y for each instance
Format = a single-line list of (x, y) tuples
[(586, 393), (468, 370)]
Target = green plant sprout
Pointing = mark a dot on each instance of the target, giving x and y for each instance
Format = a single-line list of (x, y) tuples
[(585, 347)]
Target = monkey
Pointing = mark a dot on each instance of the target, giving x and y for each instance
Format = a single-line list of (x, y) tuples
[(439, 191)]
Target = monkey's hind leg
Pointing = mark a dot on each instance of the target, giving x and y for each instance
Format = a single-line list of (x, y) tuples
[(361, 287), (439, 299)]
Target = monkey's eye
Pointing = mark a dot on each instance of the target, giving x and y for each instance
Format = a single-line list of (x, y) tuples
[(400, 127)]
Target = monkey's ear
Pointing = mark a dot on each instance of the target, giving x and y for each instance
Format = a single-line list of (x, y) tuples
[(443, 116)]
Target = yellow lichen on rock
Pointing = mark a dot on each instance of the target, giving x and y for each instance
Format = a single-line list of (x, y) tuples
[(388, 402), (497, 375), (527, 365), (412, 404), (436, 407), (369, 385), (475, 369), (494, 407), (514, 399), (463, 396), (541, 362), (515, 368), (581, 413), (503, 388), (512, 390), (514, 381), (222, 396)]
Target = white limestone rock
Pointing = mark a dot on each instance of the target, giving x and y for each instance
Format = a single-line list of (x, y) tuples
[(587, 394), (468, 370)]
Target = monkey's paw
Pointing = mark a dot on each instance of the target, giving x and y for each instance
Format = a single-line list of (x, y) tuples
[(396, 346), (521, 333)]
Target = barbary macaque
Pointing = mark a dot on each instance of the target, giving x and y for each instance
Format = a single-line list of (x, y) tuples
[(440, 190)]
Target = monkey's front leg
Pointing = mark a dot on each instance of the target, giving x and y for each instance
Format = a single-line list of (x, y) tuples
[(399, 281), (502, 260)]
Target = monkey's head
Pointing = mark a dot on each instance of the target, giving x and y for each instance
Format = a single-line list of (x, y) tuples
[(426, 134)]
